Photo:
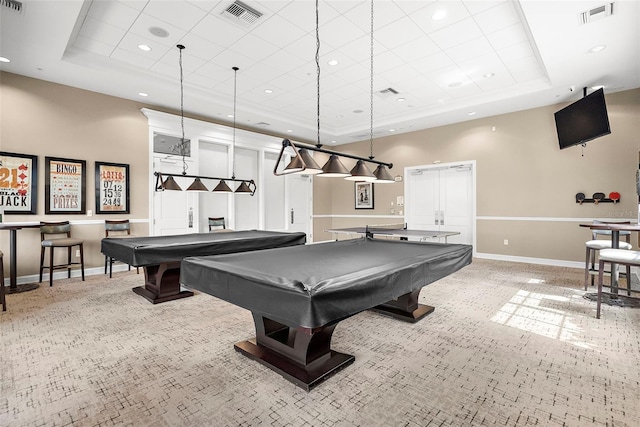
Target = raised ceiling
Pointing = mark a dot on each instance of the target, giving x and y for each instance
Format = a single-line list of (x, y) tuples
[(483, 57)]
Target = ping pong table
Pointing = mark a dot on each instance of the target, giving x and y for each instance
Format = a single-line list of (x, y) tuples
[(389, 231)]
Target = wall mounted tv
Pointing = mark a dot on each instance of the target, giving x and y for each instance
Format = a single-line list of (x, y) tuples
[(582, 121)]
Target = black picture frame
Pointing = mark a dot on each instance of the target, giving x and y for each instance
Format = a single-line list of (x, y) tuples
[(363, 193), (65, 186), (18, 183), (112, 188)]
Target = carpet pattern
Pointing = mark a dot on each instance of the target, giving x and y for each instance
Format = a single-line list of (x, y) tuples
[(509, 344)]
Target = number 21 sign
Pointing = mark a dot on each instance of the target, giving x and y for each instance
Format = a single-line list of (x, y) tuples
[(18, 183), (112, 188)]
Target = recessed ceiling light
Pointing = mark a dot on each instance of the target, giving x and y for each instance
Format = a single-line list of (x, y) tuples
[(289, 130), (268, 91), (471, 113), (230, 116), (598, 48), (392, 130), (143, 94), (339, 116), (597, 87), (159, 32), (455, 84), (333, 142), (440, 14), (144, 47), (3, 59), (333, 62), (401, 99), (489, 75)]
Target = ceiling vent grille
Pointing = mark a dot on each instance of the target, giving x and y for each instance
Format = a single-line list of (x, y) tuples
[(13, 5), (387, 93), (241, 13), (595, 14)]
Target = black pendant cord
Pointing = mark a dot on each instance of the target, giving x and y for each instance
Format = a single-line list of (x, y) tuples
[(371, 156), (182, 141), (233, 159), (318, 144)]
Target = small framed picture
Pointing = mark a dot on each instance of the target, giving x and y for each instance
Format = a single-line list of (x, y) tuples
[(18, 183), (364, 194), (65, 186), (112, 188)]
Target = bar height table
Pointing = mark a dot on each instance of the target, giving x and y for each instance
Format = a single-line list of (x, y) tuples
[(13, 228), (615, 243)]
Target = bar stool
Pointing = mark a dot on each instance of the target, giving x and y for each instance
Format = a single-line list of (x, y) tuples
[(116, 229), (3, 298), (217, 223), (56, 229), (595, 245), (617, 256)]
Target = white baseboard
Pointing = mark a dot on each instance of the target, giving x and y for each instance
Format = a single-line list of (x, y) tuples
[(531, 260), (33, 278)]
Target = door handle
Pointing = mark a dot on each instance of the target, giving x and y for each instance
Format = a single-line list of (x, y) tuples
[(437, 217), (292, 216), (441, 217)]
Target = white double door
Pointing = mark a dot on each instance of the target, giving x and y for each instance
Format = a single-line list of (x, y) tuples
[(441, 198)]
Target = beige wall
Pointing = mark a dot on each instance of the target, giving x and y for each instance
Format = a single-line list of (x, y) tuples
[(45, 119), (521, 172)]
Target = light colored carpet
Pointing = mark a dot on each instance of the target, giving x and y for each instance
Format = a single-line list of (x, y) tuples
[(508, 345)]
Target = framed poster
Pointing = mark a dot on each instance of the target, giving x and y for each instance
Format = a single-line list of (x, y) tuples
[(112, 188), (364, 194), (18, 183), (65, 186)]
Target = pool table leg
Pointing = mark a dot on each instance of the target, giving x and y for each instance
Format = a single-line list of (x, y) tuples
[(162, 283), (406, 308), (301, 355)]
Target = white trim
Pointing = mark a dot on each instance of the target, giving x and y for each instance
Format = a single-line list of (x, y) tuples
[(360, 216), (531, 260), (77, 222), (549, 219)]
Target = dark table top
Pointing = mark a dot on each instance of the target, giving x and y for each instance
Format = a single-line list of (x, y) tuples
[(154, 250), (612, 226), (315, 285)]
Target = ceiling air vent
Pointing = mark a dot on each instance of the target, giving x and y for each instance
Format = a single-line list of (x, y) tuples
[(241, 13), (263, 124), (595, 14), (387, 93), (13, 5)]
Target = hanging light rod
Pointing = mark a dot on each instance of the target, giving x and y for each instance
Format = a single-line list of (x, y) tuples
[(166, 181), (302, 163)]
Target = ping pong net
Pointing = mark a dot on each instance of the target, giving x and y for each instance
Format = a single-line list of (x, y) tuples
[(371, 229)]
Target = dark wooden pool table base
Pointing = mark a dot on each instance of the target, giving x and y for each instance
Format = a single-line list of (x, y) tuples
[(162, 283), (303, 355)]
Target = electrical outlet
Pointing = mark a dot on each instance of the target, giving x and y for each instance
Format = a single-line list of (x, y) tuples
[(78, 253), (506, 242)]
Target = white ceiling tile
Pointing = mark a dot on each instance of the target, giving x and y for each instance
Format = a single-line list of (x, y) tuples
[(456, 34), (199, 47), (431, 63), (271, 31), (145, 22), (516, 52), (397, 33), (283, 61), (477, 6), (339, 31), (135, 4), (132, 58), (229, 58), (114, 13), (497, 18), (416, 49), (182, 15), (218, 31), (471, 49), (94, 46), (253, 47), (411, 7), (507, 36), (455, 12), (206, 5), (102, 32)]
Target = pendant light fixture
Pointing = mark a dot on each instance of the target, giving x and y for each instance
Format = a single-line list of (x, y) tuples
[(303, 162), (166, 181), (381, 175)]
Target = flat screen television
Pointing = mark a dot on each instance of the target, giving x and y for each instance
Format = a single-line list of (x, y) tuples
[(582, 121)]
